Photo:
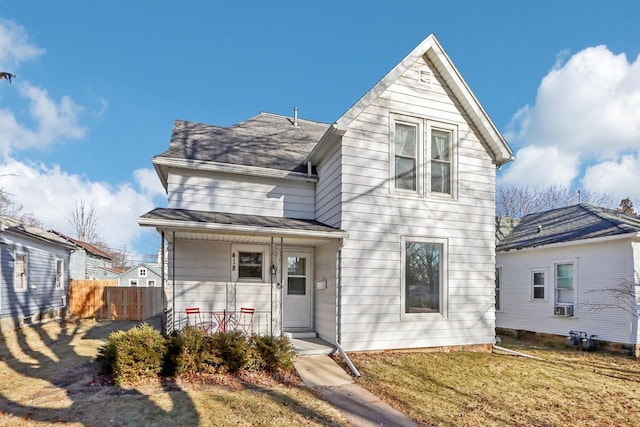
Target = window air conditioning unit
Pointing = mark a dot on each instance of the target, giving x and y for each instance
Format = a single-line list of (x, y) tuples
[(563, 310)]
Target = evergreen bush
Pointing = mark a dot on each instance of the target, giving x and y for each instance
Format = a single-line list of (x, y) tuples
[(233, 350), (132, 355), (273, 352)]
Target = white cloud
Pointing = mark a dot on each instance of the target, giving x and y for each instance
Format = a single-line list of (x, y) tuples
[(53, 122), (585, 117), (621, 175), (149, 182), (15, 46), (51, 194)]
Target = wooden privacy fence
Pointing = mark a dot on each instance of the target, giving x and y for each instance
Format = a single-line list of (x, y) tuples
[(104, 299)]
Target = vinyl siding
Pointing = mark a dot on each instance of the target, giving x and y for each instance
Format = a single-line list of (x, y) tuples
[(325, 299), (599, 266), (328, 189), (41, 294), (377, 219), (241, 194)]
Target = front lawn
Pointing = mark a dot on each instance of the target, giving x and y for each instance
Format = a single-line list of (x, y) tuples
[(567, 387)]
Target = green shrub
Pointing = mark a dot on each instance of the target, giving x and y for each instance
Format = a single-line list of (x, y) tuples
[(132, 355), (274, 352), (231, 349)]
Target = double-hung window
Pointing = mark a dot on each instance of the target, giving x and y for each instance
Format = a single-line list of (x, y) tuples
[(20, 272), (406, 155), (248, 263), (423, 157), (564, 283), (538, 285), (424, 284), (59, 274)]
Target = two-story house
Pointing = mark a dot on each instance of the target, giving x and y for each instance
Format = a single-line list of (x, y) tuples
[(373, 232)]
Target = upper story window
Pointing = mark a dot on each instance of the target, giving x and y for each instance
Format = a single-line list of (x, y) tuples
[(405, 153), (423, 157), (142, 272)]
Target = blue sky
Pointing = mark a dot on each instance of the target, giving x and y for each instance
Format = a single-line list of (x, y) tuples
[(99, 85)]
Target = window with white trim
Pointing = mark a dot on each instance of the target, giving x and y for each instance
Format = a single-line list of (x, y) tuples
[(423, 156), (248, 263), (498, 288), (424, 276), (142, 272), (538, 285), (564, 283), (59, 274), (151, 282), (20, 280), (133, 282)]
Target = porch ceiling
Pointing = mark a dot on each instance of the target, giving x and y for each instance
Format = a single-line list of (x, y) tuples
[(238, 228)]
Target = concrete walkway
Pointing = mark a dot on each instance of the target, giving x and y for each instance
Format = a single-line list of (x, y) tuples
[(359, 406)]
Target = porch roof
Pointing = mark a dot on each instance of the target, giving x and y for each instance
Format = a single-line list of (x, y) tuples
[(186, 220)]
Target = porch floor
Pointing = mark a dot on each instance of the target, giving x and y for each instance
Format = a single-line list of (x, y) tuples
[(312, 346)]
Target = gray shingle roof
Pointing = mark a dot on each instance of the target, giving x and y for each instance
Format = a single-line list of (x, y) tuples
[(572, 223), (266, 140), (14, 226), (232, 219)]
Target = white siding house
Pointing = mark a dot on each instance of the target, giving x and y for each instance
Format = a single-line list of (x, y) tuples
[(374, 232), (557, 270)]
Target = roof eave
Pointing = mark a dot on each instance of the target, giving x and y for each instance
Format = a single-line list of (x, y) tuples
[(164, 163), (179, 225), (634, 235)]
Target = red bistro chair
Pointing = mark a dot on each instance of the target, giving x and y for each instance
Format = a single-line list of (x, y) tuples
[(194, 318)]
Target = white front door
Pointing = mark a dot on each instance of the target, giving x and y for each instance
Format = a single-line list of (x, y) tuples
[(297, 298)]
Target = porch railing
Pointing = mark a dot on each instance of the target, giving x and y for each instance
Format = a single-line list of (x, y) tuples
[(221, 321)]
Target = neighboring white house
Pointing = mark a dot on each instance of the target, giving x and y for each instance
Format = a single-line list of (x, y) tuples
[(140, 275), (554, 269), (373, 232)]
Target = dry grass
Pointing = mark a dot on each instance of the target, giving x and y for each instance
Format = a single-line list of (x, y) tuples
[(567, 387), (48, 377)]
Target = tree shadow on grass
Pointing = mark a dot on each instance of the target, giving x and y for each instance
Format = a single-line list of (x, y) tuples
[(49, 375)]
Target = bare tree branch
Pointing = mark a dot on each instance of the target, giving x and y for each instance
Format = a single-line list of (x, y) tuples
[(85, 222)]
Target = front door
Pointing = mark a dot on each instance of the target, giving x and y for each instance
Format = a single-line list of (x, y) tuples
[(297, 298)]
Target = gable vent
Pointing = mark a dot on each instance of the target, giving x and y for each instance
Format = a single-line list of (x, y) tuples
[(424, 76)]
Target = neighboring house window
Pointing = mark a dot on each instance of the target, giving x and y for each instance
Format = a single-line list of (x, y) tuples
[(564, 283), (405, 156), (133, 282), (498, 288), (59, 274), (151, 282), (424, 277), (142, 272), (538, 284), (20, 271), (248, 262)]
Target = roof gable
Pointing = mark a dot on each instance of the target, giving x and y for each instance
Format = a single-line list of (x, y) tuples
[(569, 224), (93, 249), (431, 48), (14, 226)]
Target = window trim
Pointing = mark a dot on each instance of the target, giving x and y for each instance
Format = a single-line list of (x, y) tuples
[(499, 307), (444, 277), (25, 272), (545, 273), (142, 272), (151, 283), (574, 282), (235, 262), (453, 154), (59, 275), (395, 119), (131, 280)]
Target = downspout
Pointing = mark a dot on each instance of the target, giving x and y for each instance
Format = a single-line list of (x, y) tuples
[(173, 279), (162, 279), (343, 353)]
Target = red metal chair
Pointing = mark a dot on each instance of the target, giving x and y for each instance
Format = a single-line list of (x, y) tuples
[(194, 318), (244, 322)]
